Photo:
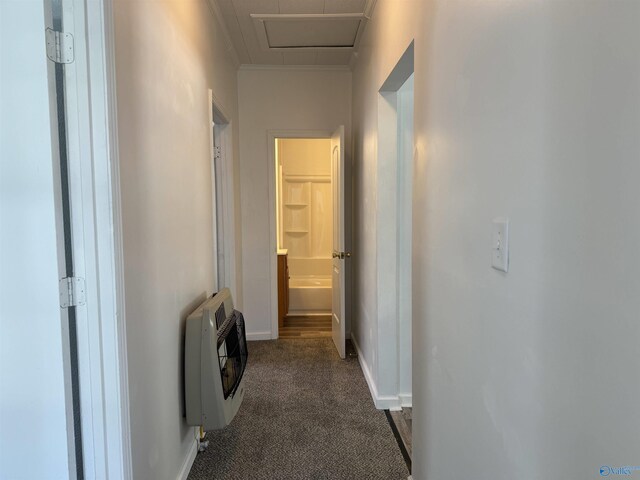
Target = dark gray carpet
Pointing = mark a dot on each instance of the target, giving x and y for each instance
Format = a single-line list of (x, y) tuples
[(306, 414)]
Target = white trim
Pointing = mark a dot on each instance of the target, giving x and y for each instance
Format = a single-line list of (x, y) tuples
[(406, 400), (222, 115), (273, 242), (303, 68), (188, 461), (365, 370), (252, 337), (382, 402), (232, 211), (214, 200), (96, 237), (219, 115), (85, 123), (94, 182), (117, 237), (219, 17)]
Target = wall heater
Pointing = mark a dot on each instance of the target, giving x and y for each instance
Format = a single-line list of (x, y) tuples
[(215, 360)]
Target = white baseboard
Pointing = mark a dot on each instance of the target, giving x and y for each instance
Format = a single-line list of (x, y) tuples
[(188, 462), (365, 370), (406, 400), (253, 336), (388, 402), (382, 402)]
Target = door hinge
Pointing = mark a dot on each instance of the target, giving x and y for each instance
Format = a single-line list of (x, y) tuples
[(72, 293), (217, 153), (59, 46)]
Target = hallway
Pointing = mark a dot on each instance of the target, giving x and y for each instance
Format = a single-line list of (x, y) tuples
[(483, 252), (307, 414)]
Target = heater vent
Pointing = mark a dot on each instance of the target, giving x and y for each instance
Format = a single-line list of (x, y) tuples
[(215, 359)]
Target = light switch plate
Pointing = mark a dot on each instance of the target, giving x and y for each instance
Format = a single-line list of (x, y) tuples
[(500, 244)]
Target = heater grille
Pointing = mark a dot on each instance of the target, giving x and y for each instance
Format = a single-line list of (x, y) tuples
[(232, 352)]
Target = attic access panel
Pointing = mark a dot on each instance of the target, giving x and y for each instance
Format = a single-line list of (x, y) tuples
[(281, 32)]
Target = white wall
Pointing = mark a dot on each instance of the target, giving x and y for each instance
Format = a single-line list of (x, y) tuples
[(277, 99), (33, 429), (529, 110), (168, 54)]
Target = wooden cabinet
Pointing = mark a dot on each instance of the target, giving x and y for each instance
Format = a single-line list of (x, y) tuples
[(283, 288)]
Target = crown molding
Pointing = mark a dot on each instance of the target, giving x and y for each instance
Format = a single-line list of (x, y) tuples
[(231, 49)]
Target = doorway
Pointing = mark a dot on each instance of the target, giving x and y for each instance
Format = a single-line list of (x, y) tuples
[(396, 150), (316, 251), (304, 236), (222, 191)]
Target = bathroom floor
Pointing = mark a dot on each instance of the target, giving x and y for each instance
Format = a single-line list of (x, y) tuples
[(306, 326)]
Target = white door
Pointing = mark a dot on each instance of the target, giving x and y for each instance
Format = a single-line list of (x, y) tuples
[(339, 255), (36, 416)]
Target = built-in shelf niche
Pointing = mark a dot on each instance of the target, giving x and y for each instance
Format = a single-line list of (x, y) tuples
[(295, 192), (306, 215)]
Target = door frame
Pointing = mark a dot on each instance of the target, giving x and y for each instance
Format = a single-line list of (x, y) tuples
[(221, 132), (272, 135), (383, 377), (97, 242)]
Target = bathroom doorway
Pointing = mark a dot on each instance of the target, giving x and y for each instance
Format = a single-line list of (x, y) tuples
[(304, 236)]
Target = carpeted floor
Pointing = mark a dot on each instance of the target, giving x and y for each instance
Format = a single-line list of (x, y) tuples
[(306, 414)]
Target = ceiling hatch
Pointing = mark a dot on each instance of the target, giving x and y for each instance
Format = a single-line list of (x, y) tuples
[(281, 32)]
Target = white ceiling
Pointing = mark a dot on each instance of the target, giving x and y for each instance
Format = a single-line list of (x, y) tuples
[(244, 31)]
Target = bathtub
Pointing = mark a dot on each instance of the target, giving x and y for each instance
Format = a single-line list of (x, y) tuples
[(309, 294)]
